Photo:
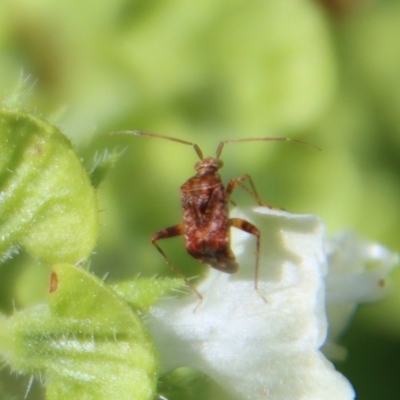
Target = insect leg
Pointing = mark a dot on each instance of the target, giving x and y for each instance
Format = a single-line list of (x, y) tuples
[(253, 230), (234, 183), (166, 233)]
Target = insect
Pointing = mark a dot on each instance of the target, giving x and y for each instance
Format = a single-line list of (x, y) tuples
[(205, 206)]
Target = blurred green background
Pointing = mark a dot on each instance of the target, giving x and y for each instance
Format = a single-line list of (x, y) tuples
[(323, 71)]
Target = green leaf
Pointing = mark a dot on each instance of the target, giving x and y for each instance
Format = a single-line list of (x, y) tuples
[(87, 342), (142, 293), (47, 203), (102, 164)]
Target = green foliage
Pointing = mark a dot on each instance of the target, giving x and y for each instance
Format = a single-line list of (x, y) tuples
[(102, 164), (142, 293), (87, 343), (47, 205)]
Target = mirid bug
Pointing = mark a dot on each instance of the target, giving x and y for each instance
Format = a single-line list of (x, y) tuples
[(205, 206)]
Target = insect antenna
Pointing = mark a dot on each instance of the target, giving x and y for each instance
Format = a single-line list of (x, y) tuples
[(261, 139), (156, 135)]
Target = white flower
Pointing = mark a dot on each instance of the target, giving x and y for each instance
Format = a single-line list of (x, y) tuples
[(358, 271), (257, 349)]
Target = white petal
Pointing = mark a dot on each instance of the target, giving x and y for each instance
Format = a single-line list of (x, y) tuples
[(258, 349), (358, 269), (358, 273)]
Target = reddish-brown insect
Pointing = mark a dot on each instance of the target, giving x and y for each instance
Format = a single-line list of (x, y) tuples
[(205, 205)]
